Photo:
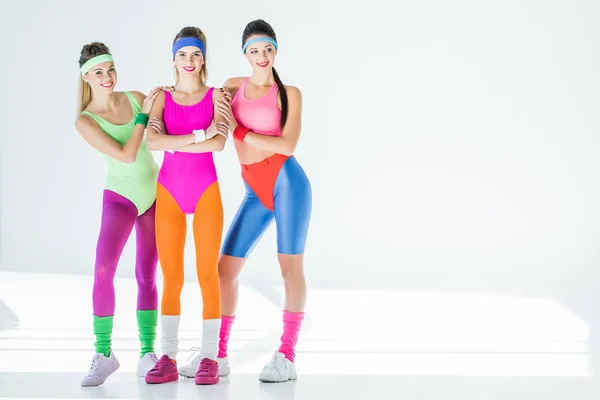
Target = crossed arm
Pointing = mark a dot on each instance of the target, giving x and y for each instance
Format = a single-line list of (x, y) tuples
[(184, 143), (284, 144)]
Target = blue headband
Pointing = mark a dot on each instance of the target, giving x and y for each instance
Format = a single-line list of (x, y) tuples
[(188, 41), (259, 39)]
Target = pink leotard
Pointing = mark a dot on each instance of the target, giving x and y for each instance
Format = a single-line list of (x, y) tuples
[(187, 175)]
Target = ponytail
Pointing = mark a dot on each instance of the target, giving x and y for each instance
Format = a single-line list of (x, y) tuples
[(85, 95), (284, 98)]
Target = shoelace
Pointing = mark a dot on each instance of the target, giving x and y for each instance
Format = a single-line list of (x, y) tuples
[(277, 364), (153, 359), (196, 353), (160, 365), (205, 364), (95, 363)]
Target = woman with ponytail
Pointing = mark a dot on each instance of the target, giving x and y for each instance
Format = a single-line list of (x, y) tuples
[(265, 118), (114, 123)]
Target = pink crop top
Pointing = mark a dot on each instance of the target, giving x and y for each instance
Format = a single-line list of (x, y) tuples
[(261, 115)]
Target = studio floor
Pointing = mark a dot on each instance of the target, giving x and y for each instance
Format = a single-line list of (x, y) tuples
[(354, 345)]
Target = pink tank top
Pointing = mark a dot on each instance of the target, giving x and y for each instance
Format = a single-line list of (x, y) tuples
[(187, 175), (260, 115)]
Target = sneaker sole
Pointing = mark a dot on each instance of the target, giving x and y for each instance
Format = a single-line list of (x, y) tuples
[(273, 381), (292, 378), (187, 375), (206, 381), (162, 379)]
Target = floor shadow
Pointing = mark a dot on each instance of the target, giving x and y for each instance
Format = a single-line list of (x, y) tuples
[(8, 318), (578, 295)]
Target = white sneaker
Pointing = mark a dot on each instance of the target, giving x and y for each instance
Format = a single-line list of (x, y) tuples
[(102, 367), (224, 368), (279, 369), (193, 363), (146, 363)]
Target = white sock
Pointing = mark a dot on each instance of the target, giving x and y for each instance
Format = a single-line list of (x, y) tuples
[(210, 338), (169, 338)]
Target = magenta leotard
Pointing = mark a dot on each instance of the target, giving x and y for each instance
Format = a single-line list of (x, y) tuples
[(187, 175)]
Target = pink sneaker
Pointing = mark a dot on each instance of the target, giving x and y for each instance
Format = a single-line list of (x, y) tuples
[(208, 372), (164, 371)]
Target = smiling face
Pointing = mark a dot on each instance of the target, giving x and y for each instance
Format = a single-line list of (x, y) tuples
[(260, 55), (188, 61), (102, 77)]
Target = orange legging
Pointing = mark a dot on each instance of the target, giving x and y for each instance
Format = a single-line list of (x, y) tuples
[(171, 226)]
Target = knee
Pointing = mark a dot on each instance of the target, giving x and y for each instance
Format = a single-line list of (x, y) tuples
[(226, 277), (289, 274), (104, 274), (291, 268), (173, 283), (228, 270), (145, 278), (207, 279)]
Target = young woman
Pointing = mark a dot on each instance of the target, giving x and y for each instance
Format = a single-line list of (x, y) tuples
[(114, 124), (187, 184), (265, 118)]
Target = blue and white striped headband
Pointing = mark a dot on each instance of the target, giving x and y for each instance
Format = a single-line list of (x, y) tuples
[(259, 39), (188, 41)]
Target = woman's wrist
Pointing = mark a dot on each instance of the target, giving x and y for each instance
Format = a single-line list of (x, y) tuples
[(200, 135), (240, 133), (142, 118)]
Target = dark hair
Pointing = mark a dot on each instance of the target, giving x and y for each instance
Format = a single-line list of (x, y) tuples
[(92, 50), (196, 33), (261, 27), (88, 52)]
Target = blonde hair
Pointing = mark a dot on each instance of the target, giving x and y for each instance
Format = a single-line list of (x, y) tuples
[(88, 52), (85, 95), (194, 32)]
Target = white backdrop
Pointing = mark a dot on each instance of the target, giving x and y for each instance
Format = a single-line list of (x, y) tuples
[(452, 145)]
